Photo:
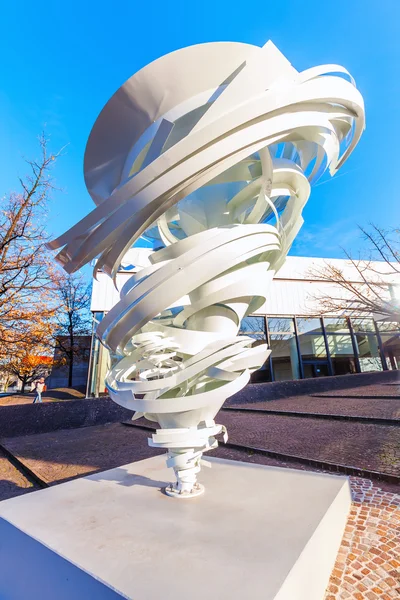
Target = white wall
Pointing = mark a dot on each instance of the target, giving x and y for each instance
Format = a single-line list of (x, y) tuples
[(292, 292)]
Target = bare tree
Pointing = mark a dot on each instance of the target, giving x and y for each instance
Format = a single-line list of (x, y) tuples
[(26, 268), (370, 290), (73, 319)]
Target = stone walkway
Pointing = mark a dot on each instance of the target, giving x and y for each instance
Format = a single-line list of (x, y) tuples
[(368, 563)]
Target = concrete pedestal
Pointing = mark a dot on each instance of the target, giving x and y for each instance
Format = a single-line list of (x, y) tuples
[(257, 532)]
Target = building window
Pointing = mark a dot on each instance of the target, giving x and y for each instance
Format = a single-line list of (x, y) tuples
[(254, 327), (312, 347), (99, 362), (390, 336), (284, 356), (340, 346), (367, 345)]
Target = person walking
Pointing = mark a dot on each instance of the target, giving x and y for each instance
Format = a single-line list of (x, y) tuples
[(39, 387)]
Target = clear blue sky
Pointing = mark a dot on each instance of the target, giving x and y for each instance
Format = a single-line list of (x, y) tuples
[(61, 61)]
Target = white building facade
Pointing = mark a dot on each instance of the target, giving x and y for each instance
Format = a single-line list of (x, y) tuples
[(304, 343)]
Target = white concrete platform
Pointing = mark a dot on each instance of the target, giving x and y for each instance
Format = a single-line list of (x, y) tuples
[(257, 533)]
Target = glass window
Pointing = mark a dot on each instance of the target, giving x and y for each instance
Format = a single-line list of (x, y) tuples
[(336, 325), (368, 351), (309, 325), (388, 326), (285, 358), (342, 354), (280, 325), (312, 346), (391, 350), (315, 369), (253, 327), (363, 325)]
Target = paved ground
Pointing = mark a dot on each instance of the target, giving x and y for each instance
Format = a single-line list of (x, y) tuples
[(365, 446), (62, 455), (58, 456), (359, 445), (55, 395), (375, 390), (385, 408), (368, 562), (367, 567), (12, 481)]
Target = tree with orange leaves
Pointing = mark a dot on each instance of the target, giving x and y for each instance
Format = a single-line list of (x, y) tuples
[(29, 367), (27, 273), (31, 356), (41, 309)]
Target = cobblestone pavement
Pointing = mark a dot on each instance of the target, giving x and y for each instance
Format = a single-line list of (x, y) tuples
[(360, 445), (352, 407), (368, 563)]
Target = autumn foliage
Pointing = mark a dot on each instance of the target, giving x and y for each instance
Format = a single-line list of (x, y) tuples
[(32, 303)]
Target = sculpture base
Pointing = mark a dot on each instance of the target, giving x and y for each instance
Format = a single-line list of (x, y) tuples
[(172, 491), (257, 532)]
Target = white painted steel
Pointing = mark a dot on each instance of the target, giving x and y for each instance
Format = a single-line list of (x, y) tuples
[(209, 152)]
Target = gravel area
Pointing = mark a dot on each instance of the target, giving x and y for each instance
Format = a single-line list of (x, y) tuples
[(12, 481), (360, 445), (345, 406)]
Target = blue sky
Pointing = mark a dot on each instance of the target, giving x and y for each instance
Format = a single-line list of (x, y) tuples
[(62, 61)]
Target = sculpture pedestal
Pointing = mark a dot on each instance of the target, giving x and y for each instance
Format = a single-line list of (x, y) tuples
[(257, 532)]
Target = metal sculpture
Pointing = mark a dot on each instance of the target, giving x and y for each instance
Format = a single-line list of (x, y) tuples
[(209, 152)]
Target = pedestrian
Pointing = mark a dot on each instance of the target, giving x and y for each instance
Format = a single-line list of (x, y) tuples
[(39, 387)]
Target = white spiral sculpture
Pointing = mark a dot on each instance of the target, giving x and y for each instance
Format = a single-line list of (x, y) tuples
[(209, 152)]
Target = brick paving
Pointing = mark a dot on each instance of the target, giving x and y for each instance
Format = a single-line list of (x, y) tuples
[(378, 390), (368, 563), (360, 445), (12, 481), (352, 407), (58, 456)]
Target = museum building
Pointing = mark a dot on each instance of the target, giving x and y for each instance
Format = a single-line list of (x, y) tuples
[(304, 343)]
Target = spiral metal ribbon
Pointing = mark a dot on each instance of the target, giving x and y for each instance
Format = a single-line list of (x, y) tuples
[(209, 153)]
